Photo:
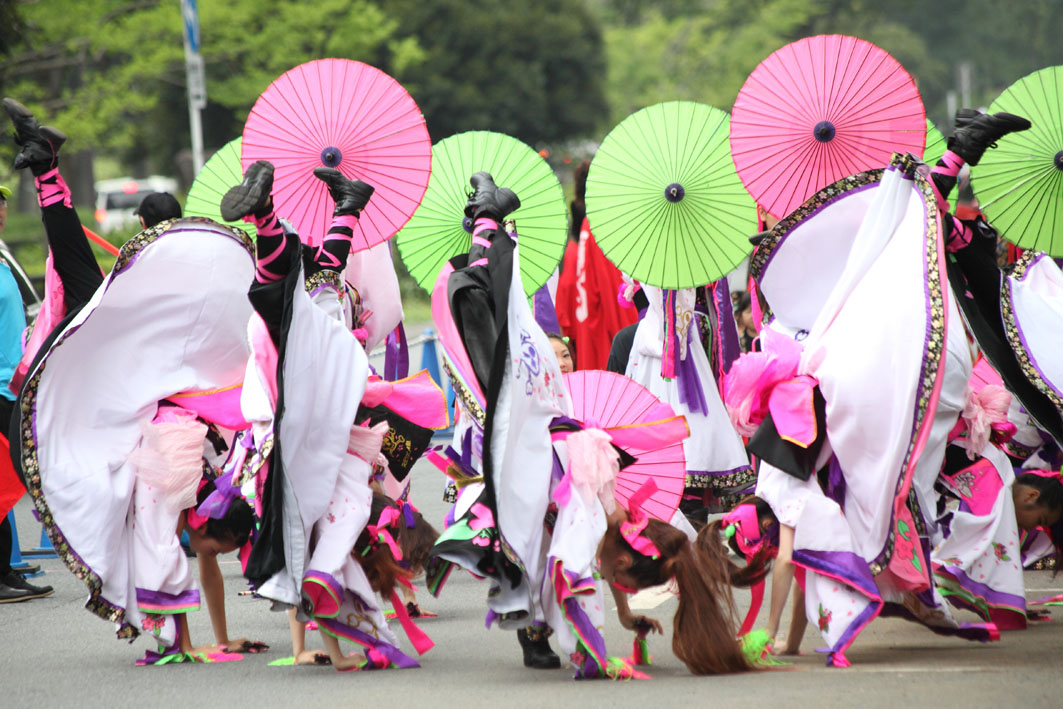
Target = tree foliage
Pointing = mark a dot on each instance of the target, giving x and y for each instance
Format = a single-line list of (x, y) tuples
[(704, 49), (111, 73), (533, 69)]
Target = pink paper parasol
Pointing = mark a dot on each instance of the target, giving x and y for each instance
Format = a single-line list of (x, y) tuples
[(818, 110), (353, 117), (627, 410)]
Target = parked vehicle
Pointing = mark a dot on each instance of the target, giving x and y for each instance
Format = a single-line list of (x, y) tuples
[(117, 199)]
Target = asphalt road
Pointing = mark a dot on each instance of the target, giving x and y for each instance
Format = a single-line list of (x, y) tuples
[(53, 653)]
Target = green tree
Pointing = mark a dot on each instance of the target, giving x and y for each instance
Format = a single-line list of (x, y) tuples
[(111, 72), (533, 69), (703, 56)]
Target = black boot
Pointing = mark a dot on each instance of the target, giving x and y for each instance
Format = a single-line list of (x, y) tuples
[(14, 588), (39, 144), (537, 652), (350, 196), (252, 196), (489, 200), (976, 133)]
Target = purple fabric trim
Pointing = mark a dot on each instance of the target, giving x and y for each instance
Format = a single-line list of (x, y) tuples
[(396, 355), (968, 631), (1026, 345), (716, 473), (690, 391), (931, 409), (729, 347), (991, 597), (136, 257), (545, 313), (218, 502), (160, 598), (767, 261), (558, 472), (490, 618), (586, 632), (327, 579), (843, 565), (392, 653), (853, 629), (836, 482), (727, 329)]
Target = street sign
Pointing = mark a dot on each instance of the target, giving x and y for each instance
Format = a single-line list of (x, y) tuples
[(195, 78), (190, 14)]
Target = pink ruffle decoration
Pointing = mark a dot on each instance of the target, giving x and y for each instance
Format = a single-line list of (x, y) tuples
[(365, 442), (170, 456), (984, 411), (594, 465), (750, 382)]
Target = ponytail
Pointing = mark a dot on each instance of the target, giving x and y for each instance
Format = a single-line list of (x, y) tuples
[(381, 568), (756, 568), (703, 634)]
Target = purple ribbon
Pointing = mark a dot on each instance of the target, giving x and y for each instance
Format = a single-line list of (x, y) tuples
[(545, 313), (836, 482), (686, 374), (396, 355), (219, 501), (726, 328), (464, 459)]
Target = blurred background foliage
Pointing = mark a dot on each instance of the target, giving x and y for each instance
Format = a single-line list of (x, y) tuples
[(558, 74)]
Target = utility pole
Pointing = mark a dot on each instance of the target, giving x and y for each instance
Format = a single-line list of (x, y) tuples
[(197, 84)]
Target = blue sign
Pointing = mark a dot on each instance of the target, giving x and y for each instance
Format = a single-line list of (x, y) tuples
[(190, 15)]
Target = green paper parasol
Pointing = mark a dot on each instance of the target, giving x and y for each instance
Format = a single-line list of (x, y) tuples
[(936, 145), (439, 231), (1019, 185), (220, 173), (663, 198)]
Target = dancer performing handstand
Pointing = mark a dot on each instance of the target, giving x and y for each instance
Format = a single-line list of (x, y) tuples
[(113, 490)]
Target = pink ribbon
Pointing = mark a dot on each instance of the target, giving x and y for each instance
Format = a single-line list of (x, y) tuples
[(792, 410), (746, 528), (637, 521), (418, 638)]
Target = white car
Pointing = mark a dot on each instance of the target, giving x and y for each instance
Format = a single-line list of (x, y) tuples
[(117, 199)]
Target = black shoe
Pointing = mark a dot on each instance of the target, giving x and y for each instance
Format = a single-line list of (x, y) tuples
[(350, 196), (14, 588), (39, 144), (975, 134), (963, 118), (537, 652), (252, 196), (489, 200)]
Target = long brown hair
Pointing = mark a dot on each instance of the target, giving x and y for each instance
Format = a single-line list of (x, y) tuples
[(703, 634), (381, 567), (416, 542), (759, 565)]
